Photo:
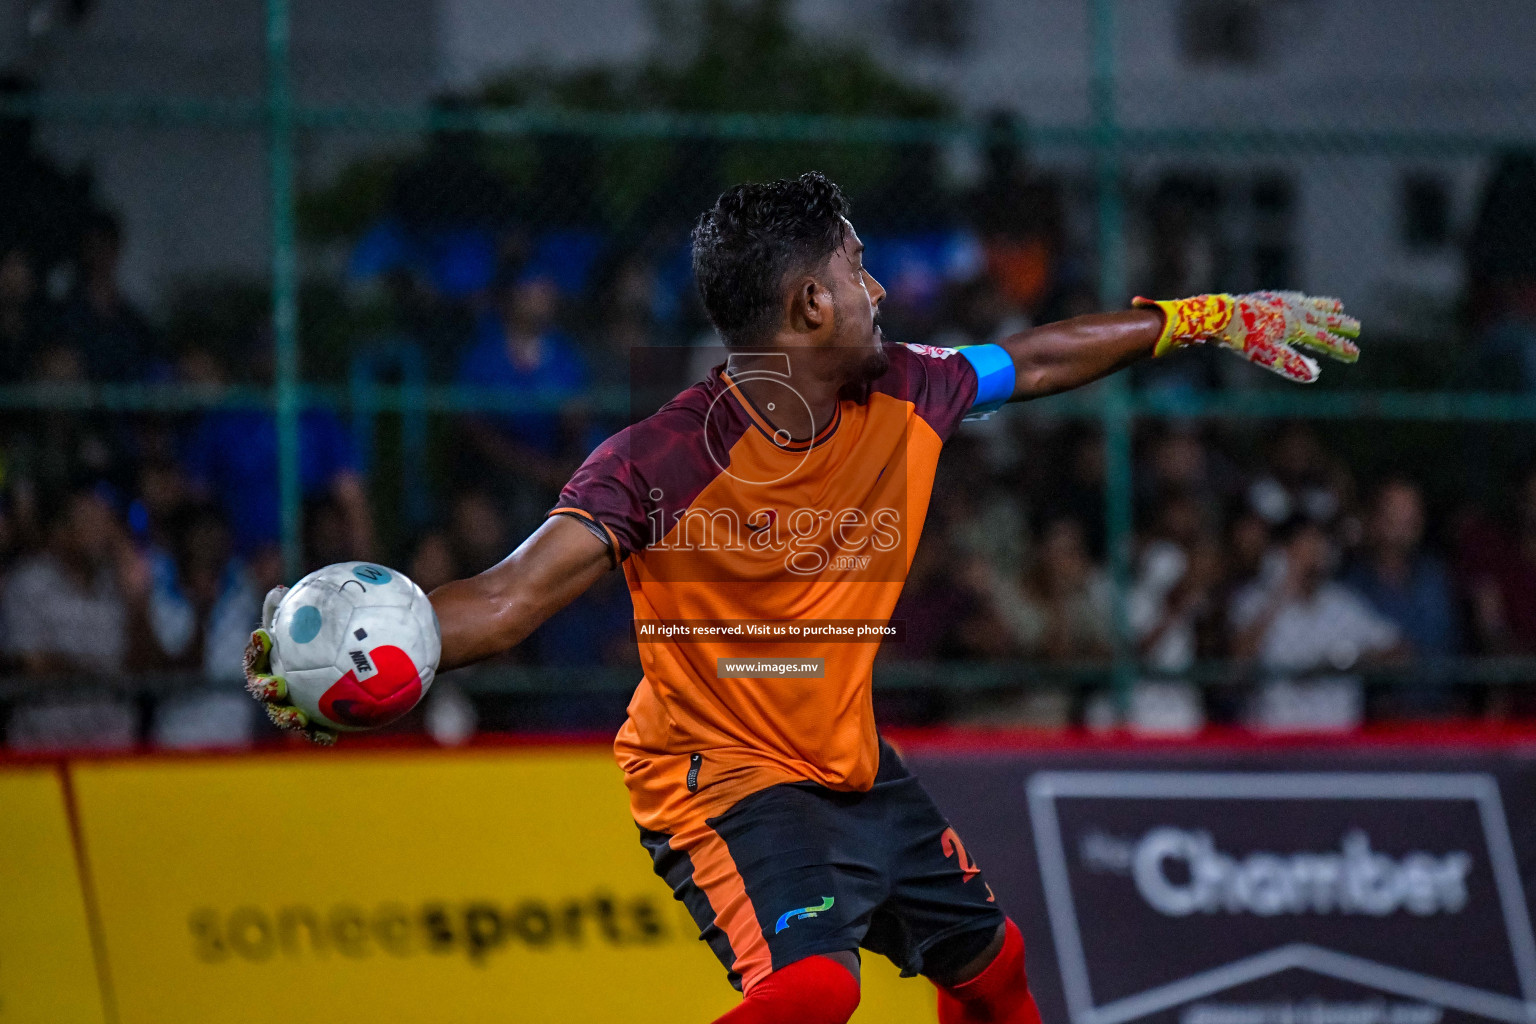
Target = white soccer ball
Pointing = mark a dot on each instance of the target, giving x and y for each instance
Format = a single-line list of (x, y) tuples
[(357, 643)]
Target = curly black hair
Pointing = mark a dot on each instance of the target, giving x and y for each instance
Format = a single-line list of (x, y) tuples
[(755, 236)]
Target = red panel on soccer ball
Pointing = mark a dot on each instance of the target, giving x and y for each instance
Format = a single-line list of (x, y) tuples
[(380, 698)]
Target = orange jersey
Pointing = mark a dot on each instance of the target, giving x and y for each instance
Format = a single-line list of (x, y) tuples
[(718, 521)]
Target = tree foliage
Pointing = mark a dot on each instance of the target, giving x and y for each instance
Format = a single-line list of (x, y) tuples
[(712, 57)]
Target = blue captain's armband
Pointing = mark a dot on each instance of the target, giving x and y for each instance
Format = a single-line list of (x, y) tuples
[(994, 378)]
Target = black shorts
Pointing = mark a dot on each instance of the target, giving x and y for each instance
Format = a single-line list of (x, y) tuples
[(797, 870)]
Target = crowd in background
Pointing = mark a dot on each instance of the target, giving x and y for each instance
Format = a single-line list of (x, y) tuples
[(1269, 564)]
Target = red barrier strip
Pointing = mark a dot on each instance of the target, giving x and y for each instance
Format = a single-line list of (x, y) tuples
[(354, 744), (1412, 735), (1406, 735)]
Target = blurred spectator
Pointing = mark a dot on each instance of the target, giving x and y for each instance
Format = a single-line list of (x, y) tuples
[(114, 339), (629, 295), (1305, 625), (1061, 611), (1302, 479), (518, 351), (981, 587), (593, 629), (41, 207), (1019, 214), (1058, 612), (978, 314), (231, 456), (22, 333), (204, 598), (49, 451), (474, 539), (1250, 559), (477, 533), (945, 607), (68, 607), (637, 307), (1179, 462), (1178, 623), (432, 563), (79, 606), (328, 533), (981, 518), (450, 716), (1074, 486), (202, 608), (65, 445), (13, 538), (1500, 575), (162, 492), (1402, 581), (1176, 615)]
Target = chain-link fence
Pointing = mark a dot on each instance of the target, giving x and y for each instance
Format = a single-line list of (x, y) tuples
[(390, 331)]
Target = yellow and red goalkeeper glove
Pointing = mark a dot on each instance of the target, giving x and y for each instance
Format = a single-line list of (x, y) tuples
[(272, 690), (1262, 327)]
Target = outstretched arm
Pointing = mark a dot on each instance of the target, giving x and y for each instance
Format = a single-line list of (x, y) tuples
[(1068, 354), (479, 616), (489, 613), (1262, 327)]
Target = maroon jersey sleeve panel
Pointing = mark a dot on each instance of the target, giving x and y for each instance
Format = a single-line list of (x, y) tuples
[(639, 481), (939, 382)]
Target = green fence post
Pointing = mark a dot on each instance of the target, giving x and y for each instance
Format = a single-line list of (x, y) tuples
[(1115, 413), (285, 304)]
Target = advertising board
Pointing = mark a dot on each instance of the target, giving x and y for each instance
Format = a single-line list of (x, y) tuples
[(47, 966), (1260, 887), (1257, 884), (414, 886)]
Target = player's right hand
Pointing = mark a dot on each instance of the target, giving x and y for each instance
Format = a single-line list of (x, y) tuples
[(1262, 327), (272, 690)]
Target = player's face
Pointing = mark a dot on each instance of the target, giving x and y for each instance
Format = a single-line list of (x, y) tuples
[(857, 297)]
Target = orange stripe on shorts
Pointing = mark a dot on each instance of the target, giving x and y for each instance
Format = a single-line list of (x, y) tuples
[(714, 871)]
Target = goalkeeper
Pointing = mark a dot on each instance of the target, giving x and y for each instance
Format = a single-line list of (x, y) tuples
[(792, 833)]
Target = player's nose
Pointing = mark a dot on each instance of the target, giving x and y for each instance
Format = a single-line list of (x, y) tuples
[(875, 288)]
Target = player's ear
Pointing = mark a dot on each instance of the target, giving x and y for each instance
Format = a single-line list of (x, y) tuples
[(811, 304)]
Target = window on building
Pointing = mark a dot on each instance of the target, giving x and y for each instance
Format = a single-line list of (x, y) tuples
[(939, 25), (1271, 240), (1425, 211), (1221, 31)]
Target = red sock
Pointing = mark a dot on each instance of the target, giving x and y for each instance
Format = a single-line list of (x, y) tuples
[(998, 995), (816, 990)]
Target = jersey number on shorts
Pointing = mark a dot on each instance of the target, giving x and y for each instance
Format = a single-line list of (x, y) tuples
[(953, 847)]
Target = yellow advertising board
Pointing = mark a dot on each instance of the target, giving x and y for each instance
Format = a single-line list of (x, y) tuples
[(47, 971), (411, 887)]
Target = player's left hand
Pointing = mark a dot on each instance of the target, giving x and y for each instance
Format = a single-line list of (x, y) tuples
[(1263, 327), (272, 690)]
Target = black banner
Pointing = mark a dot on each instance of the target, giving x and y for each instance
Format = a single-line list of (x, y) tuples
[(1262, 886)]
